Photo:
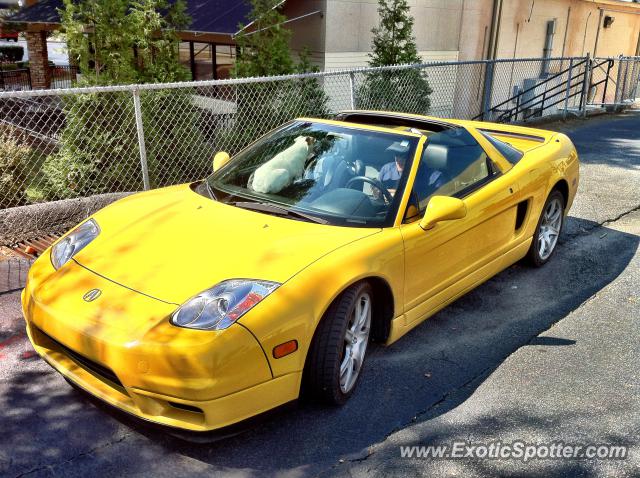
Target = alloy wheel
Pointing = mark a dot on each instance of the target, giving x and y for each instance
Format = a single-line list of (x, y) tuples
[(549, 228), (356, 339)]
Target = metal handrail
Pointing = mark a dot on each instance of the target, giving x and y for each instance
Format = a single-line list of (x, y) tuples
[(523, 92), (610, 64), (525, 117), (531, 102)]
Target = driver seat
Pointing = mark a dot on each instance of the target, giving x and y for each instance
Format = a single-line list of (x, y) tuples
[(339, 176)]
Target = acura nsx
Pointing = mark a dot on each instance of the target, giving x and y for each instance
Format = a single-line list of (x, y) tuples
[(200, 305)]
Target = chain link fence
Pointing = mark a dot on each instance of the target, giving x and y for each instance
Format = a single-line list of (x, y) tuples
[(65, 153), (614, 81)]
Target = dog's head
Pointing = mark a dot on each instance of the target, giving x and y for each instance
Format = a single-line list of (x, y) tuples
[(310, 140)]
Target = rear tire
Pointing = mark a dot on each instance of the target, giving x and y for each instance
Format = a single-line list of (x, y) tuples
[(338, 348), (545, 237)]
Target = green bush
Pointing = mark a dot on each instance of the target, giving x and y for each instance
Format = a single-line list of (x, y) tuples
[(99, 150), (15, 163), (11, 53), (176, 149)]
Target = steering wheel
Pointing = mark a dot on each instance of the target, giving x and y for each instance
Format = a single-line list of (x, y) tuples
[(373, 182)]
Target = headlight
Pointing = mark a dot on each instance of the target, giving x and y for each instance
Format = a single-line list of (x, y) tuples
[(74, 242), (219, 307)]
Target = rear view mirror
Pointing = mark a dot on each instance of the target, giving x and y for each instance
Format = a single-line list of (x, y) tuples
[(220, 159), (442, 208)]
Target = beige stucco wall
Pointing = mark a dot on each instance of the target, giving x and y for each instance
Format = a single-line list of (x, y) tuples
[(476, 26), (446, 30), (309, 31), (523, 28), (351, 59), (341, 36), (349, 24)]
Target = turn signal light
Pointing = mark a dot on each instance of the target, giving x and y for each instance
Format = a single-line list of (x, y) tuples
[(286, 348)]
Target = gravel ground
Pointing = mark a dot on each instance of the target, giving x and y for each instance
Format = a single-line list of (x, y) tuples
[(534, 355)]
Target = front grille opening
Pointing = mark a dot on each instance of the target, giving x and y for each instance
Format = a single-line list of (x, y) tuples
[(99, 371), (184, 406)]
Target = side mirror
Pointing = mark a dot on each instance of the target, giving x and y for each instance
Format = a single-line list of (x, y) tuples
[(442, 208), (220, 159)]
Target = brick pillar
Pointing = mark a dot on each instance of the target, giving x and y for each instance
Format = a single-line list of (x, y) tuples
[(38, 60)]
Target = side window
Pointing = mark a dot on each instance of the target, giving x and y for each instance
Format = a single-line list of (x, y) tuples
[(452, 164)]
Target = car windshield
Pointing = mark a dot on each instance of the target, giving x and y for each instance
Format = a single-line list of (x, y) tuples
[(339, 175)]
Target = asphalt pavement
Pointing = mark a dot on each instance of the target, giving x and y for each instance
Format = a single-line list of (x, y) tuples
[(533, 355)]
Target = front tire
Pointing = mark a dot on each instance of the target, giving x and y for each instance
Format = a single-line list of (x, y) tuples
[(545, 237), (339, 346)]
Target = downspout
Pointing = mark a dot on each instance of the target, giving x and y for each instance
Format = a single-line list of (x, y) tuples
[(584, 38), (491, 55), (460, 27), (566, 30), (595, 46), (496, 17)]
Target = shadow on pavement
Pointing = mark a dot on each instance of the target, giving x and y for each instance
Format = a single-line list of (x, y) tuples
[(606, 140)]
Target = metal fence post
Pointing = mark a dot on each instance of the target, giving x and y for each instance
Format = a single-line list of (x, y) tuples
[(606, 81), (141, 143), (352, 91), (623, 96), (618, 92), (586, 85), (566, 98), (635, 77), (488, 87)]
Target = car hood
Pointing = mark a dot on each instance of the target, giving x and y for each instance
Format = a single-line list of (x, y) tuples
[(173, 243)]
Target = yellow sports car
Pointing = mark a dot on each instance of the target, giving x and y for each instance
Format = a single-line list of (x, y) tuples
[(200, 305)]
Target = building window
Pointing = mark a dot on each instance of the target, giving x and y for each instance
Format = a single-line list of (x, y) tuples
[(204, 66), (225, 60), (207, 61)]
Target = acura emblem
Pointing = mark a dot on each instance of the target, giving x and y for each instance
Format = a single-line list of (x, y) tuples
[(92, 295)]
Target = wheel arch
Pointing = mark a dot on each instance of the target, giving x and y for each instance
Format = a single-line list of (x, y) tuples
[(563, 186), (382, 314), (384, 305)]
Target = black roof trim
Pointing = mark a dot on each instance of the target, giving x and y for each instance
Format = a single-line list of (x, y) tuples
[(207, 16), (375, 118), (512, 134)]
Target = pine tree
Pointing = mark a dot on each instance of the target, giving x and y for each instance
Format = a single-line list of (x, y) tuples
[(393, 43), (264, 49), (125, 41)]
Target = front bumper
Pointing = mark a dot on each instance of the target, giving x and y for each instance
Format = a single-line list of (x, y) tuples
[(183, 378)]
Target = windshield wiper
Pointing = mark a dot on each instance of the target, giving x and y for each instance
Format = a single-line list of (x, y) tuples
[(277, 210)]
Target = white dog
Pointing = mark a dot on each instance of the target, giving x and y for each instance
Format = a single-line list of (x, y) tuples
[(284, 168)]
